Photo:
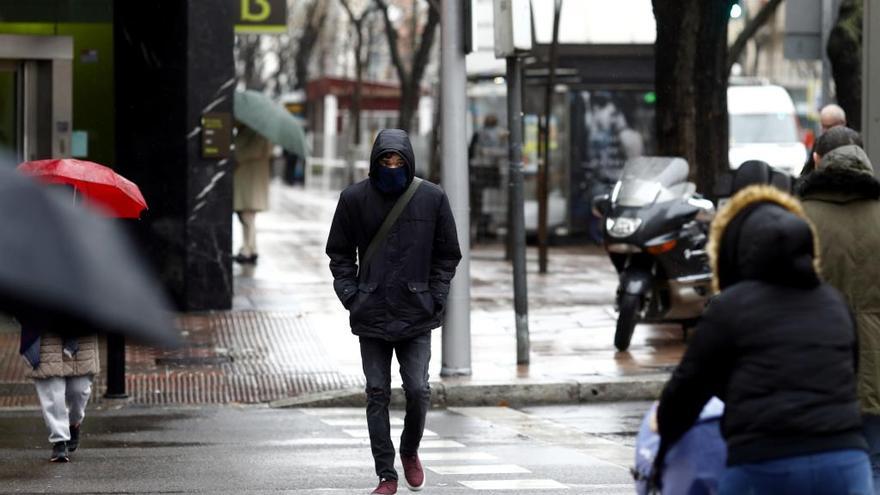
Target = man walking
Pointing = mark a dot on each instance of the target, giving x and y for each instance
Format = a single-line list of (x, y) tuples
[(393, 251), (842, 198)]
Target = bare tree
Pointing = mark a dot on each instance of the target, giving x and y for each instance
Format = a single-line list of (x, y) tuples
[(751, 28), (249, 61), (358, 23), (410, 74), (315, 20)]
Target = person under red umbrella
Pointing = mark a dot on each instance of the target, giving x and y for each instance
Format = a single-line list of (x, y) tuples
[(63, 367)]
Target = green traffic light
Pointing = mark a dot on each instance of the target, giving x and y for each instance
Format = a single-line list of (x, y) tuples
[(650, 97), (736, 11)]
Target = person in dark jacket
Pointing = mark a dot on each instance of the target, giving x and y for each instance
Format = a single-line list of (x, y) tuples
[(779, 347), (842, 198), (398, 296)]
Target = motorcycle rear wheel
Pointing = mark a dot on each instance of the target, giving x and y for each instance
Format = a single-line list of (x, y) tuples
[(630, 306)]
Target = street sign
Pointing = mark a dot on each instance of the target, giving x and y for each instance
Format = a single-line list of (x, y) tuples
[(803, 30), (261, 17), (216, 134), (513, 27)]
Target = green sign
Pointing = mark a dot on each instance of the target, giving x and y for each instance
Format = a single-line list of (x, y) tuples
[(261, 16)]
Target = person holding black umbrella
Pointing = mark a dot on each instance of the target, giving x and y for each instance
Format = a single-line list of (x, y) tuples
[(65, 274)]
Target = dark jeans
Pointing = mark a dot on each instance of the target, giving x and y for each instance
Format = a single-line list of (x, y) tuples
[(871, 429), (837, 472), (413, 355)]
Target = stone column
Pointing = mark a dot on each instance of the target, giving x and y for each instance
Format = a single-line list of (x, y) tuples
[(173, 64)]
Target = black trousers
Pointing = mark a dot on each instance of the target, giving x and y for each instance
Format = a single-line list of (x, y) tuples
[(413, 355)]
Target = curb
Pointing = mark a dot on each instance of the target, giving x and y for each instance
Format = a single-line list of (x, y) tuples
[(452, 394)]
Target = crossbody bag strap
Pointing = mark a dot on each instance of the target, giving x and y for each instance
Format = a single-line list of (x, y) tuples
[(392, 217)]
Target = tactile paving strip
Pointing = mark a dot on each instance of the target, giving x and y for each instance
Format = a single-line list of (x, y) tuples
[(229, 357)]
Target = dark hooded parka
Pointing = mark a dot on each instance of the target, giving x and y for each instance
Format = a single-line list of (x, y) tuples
[(776, 344), (402, 290), (842, 198)]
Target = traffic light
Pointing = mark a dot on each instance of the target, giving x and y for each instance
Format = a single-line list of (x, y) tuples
[(737, 10)]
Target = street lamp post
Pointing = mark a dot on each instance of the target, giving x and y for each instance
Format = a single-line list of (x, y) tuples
[(456, 359)]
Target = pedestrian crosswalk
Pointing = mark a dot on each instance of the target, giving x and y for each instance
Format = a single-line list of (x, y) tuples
[(471, 468)]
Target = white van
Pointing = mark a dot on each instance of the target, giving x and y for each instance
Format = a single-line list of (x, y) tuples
[(763, 126)]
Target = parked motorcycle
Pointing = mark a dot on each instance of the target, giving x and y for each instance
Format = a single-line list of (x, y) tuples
[(656, 230)]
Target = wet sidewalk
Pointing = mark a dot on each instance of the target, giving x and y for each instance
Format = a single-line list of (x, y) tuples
[(287, 336)]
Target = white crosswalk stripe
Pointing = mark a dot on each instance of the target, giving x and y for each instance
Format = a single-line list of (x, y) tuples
[(356, 422), (479, 469), (440, 456), (395, 432), (440, 444), (514, 485)]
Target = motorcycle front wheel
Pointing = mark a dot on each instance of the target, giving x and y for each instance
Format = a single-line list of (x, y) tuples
[(630, 306)]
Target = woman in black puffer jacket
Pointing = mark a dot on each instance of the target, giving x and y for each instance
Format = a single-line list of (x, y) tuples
[(778, 346)]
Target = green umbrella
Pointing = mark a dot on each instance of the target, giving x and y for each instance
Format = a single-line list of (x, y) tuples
[(271, 120)]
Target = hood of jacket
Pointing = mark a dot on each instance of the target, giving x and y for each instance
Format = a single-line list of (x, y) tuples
[(763, 234), (845, 174), (397, 141)]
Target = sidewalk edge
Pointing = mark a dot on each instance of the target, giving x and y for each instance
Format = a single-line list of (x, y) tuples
[(503, 394)]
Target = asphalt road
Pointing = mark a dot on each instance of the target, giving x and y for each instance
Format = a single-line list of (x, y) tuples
[(568, 449)]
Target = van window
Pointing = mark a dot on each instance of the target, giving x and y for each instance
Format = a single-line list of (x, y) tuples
[(762, 128)]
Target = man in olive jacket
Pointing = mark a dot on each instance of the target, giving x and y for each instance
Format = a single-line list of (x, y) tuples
[(398, 296), (842, 198)]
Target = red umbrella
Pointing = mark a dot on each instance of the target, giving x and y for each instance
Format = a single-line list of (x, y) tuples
[(100, 185)]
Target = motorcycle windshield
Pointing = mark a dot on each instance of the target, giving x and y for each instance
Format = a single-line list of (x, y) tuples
[(649, 180)]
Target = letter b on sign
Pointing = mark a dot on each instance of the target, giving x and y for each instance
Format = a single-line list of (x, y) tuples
[(255, 10)]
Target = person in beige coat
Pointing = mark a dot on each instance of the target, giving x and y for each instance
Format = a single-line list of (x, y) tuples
[(63, 370), (253, 155)]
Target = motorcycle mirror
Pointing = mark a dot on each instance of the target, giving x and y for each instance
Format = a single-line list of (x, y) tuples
[(601, 205)]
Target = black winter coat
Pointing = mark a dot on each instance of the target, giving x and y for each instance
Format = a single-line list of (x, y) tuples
[(776, 345), (402, 291)]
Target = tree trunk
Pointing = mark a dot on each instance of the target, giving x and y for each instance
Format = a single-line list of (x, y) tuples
[(711, 75), (678, 24), (358, 88), (409, 103), (845, 54), (691, 86)]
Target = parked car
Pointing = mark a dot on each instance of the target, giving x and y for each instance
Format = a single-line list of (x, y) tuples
[(764, 126)]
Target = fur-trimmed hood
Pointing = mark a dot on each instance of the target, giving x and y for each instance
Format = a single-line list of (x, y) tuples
[(845, 174), (763, 233)]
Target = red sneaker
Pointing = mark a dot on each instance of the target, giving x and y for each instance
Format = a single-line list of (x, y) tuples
[(386, 487), (413, 472)]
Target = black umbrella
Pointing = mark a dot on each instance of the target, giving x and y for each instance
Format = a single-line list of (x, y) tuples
[(69, 271)]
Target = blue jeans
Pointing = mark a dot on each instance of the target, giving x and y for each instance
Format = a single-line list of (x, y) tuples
[(839, 472), (413, 355), (871, 429)]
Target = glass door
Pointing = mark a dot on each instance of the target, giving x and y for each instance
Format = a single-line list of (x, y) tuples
[(11, 109)]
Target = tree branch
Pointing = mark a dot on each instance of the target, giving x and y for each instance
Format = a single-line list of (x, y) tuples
[(316, 17), (391, 34), (752, 27), (423, 54)]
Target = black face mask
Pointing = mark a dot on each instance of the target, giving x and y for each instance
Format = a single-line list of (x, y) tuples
[(390, 180)]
